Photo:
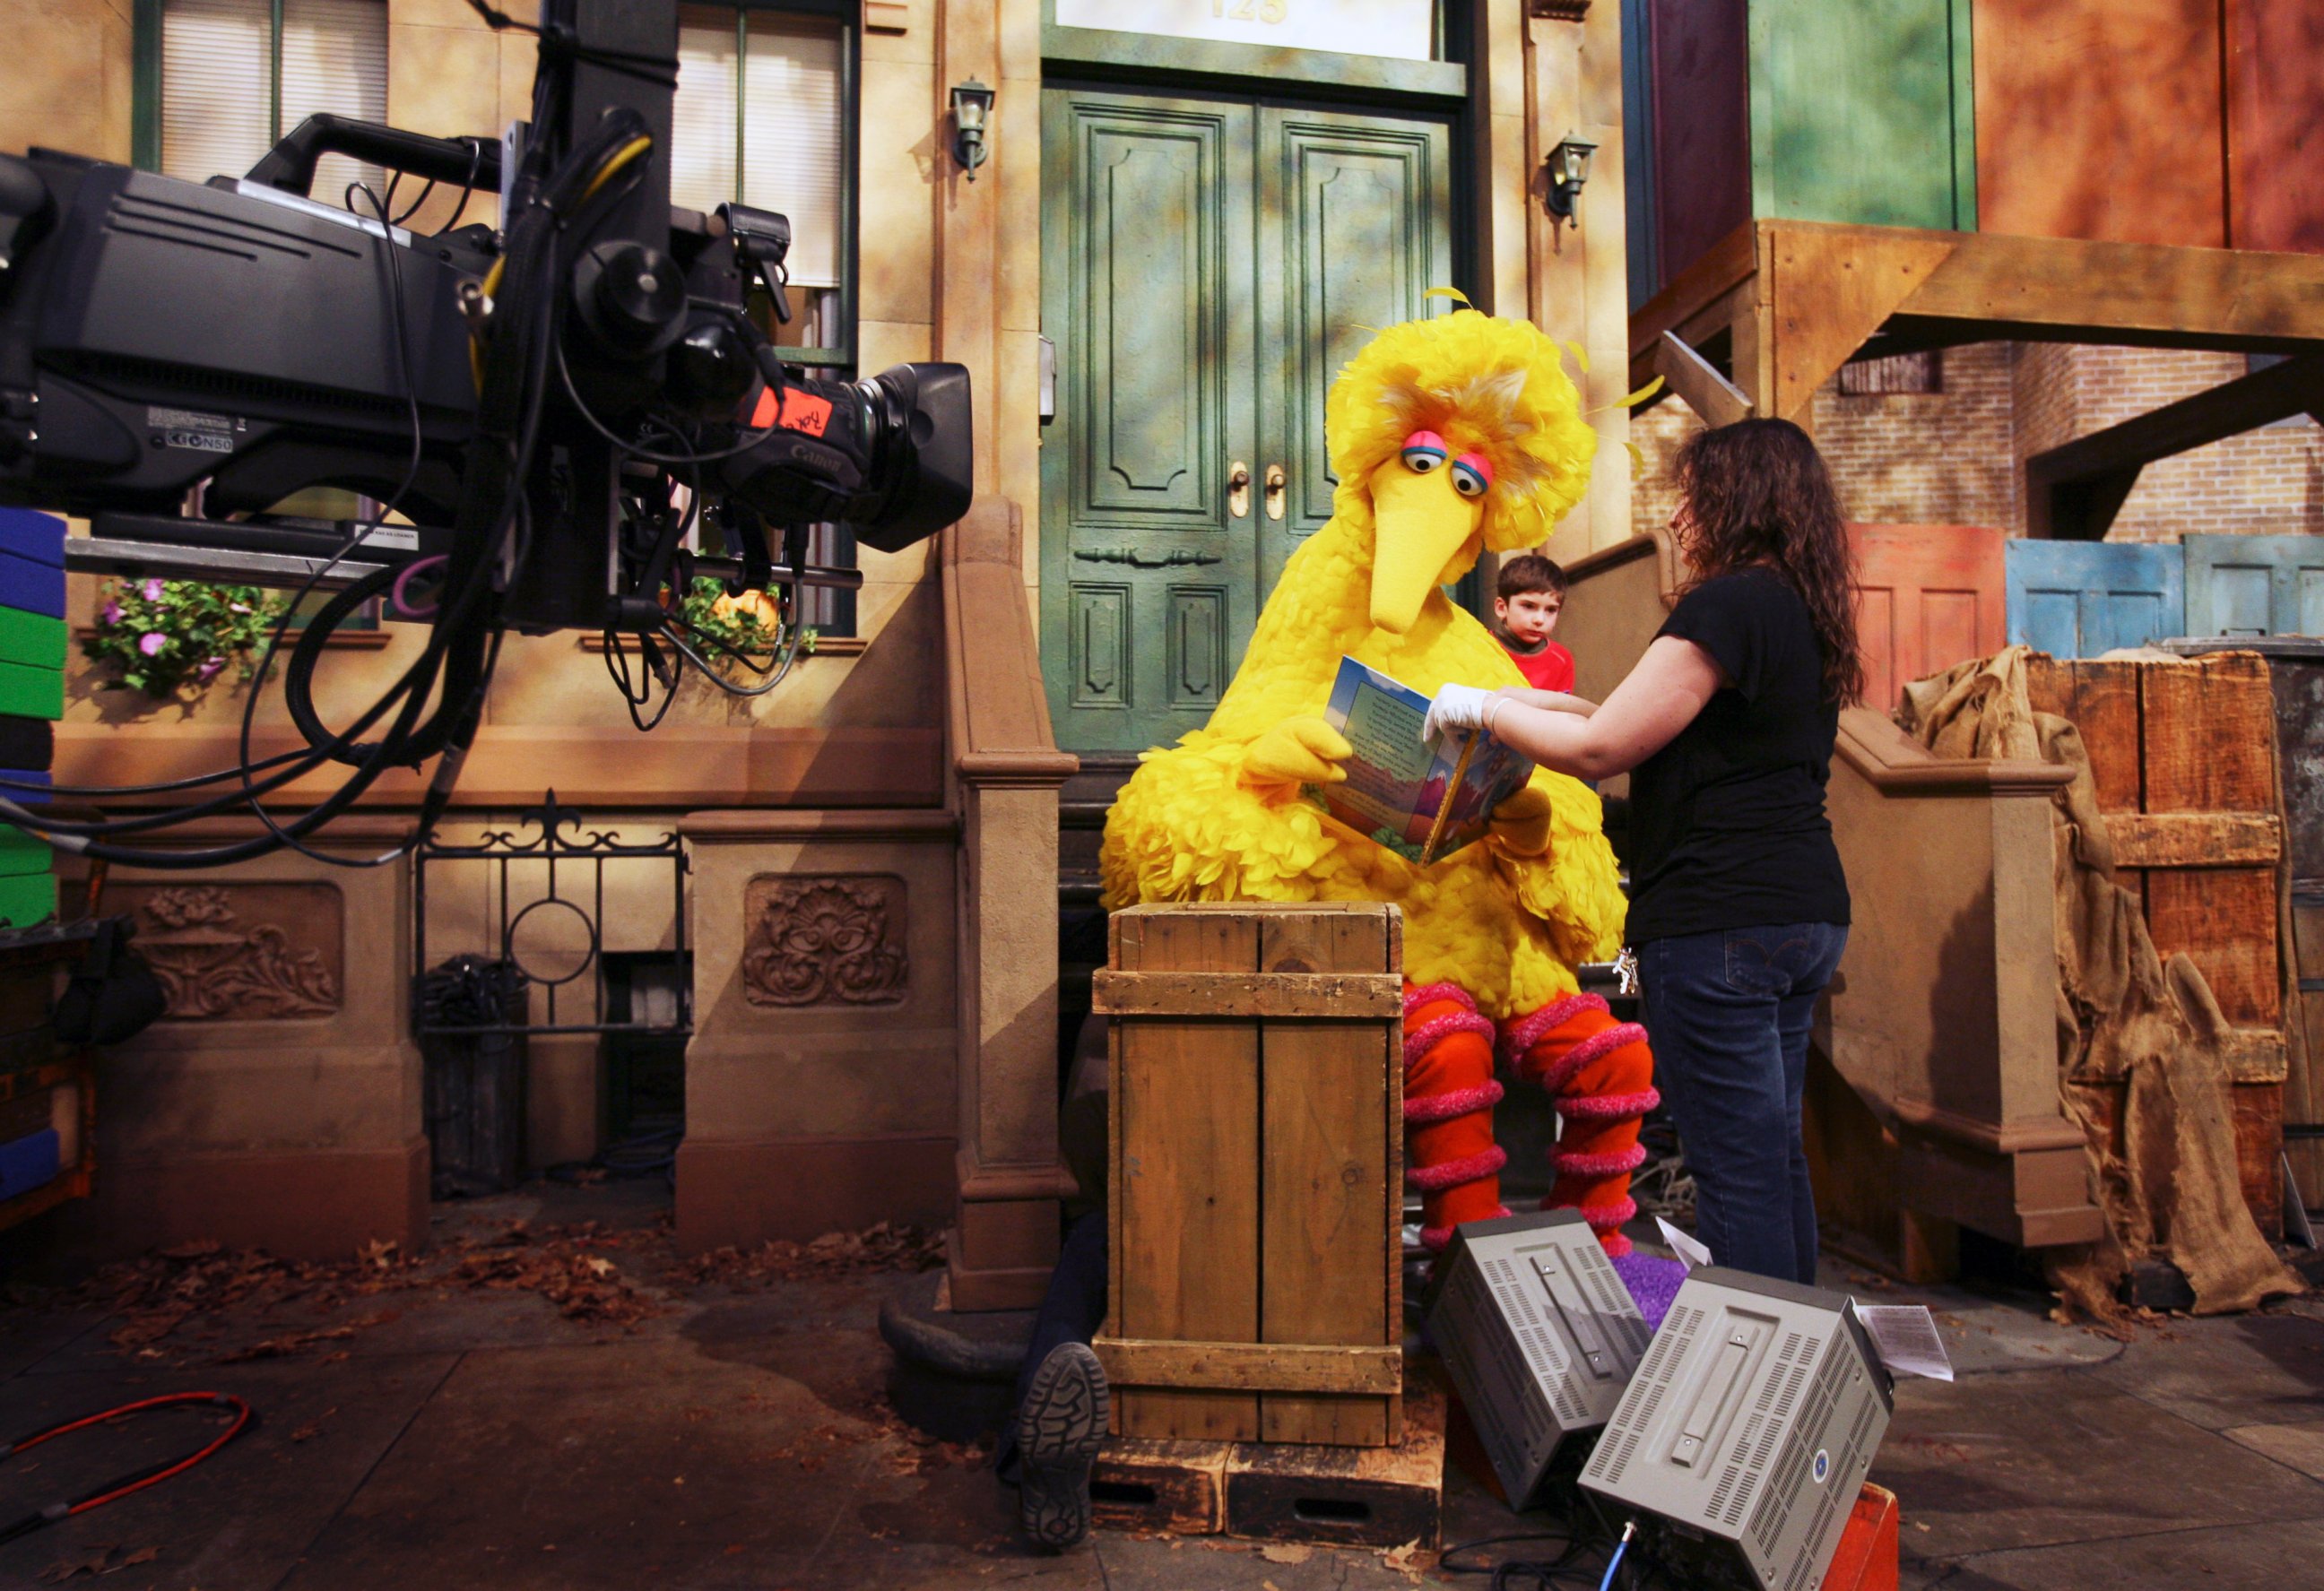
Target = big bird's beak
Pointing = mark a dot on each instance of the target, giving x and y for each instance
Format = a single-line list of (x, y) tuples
[(1423, 539)]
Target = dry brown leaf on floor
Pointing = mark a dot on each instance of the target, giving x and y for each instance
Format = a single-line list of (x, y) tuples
[(313, 1428), (103, 1558), (1286, 1552), (290, 1342), (1411, 1558)]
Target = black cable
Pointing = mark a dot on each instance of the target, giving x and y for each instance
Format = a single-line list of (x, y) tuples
[(399, 335), (413, 208)]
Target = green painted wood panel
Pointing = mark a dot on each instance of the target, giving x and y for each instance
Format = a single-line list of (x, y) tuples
[(2254, 585), (27, 898), (1863, 111), (30, 692), (32, 638), (1207, 267), (1355, 226), (1150, 587)]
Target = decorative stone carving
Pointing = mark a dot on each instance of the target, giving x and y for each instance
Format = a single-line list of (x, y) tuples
[(215, 967), (829, 941)]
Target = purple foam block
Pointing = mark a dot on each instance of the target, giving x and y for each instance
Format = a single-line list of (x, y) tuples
[(1652, 1282)]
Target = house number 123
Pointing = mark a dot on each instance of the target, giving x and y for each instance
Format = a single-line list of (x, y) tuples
[(1265, 10)]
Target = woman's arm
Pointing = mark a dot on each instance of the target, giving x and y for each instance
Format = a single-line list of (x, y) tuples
[(1646, 712), (1553, 700)]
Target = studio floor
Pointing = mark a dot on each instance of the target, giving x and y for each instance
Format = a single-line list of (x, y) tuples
[(550, 1400)]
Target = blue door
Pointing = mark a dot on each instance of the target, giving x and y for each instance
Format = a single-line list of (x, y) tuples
[(2078, 599), (2256, 586)]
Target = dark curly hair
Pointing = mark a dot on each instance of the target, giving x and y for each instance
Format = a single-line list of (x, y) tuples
[(1757, 495)]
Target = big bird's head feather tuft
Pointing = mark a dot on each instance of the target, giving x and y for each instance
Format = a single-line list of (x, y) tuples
[(1484, 383)]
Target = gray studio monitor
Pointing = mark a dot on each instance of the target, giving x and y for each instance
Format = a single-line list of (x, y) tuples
[(1743, 1439), (1538, 1334)]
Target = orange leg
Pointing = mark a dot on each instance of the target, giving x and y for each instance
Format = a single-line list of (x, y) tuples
[(1449, 1094), (1601, 1074)]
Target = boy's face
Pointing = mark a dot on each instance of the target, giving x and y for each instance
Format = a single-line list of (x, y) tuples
[(1530, 615)]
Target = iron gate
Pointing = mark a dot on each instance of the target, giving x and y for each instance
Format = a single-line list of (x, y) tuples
[(550, 837)]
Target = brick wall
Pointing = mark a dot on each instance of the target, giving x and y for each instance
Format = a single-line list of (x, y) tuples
[(1925, 458), (1958, 456)]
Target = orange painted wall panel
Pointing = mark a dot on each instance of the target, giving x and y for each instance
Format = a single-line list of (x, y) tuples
[(2103, 121), (2276, 124), (1928, 596)]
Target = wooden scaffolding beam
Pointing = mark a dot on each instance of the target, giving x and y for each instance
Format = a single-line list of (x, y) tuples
[(2073, 492), (1793, 300)]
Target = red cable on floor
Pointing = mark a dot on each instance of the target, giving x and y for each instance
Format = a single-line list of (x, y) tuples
[(137, 1481)]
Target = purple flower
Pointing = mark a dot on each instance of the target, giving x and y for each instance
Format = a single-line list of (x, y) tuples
[(209, 671), (153, 641), (111, 613), (153, 589)]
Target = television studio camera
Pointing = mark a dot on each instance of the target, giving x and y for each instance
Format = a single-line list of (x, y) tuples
[(575, 412)]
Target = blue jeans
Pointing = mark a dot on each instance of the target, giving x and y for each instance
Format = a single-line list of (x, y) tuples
[(1727, 1014), (1072, 1310)]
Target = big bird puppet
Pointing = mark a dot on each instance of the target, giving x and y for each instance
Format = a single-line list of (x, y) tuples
[(1447, 436)]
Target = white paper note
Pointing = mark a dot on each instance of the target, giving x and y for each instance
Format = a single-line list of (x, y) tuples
[(1695, 1254), (1905, 1337)]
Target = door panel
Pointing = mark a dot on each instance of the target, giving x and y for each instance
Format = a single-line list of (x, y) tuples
[(1929, 596), (2078, 599), (2254, 585), (1207, 267), (1355, 226), (1147, 581)]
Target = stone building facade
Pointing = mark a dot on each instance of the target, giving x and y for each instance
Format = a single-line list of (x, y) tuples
[(870, 920)]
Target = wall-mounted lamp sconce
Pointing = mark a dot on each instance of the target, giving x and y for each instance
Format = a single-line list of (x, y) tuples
[(972, 105), (1568, 170)]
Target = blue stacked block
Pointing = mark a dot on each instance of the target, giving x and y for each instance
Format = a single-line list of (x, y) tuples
[(33, 643)]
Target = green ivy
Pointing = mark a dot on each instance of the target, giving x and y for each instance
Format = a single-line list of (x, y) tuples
[(158, 636), (708, 608)]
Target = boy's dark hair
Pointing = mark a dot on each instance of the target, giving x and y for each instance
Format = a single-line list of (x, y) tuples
[(1529, 572)]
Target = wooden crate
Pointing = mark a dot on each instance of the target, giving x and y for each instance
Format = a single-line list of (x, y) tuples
[(1348, 1496), (2183, 755), (1256, 1173), (1345, 1496)]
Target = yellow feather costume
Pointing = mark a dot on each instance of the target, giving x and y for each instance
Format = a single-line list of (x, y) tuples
[(1187, 825)]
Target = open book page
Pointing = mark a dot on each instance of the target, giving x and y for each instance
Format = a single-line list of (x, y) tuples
[(1423, 800)]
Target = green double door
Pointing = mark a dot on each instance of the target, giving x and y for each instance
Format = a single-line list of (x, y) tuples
[(1208, 265)]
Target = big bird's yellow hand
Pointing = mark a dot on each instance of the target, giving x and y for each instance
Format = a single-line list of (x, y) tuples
[(1298, 752), (1521, 823)]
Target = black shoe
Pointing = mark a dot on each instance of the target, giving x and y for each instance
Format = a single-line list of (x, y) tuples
[(1059, 1428)]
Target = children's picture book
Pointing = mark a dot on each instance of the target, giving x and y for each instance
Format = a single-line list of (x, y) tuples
[(1422, 799)]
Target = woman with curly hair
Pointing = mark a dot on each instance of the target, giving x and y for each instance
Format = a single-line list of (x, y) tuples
[(1738, 909)]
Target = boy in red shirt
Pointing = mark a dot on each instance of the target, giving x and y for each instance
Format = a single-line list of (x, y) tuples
[(1531, 595)]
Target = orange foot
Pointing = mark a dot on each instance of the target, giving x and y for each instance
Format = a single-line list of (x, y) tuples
[(1601, 1074)]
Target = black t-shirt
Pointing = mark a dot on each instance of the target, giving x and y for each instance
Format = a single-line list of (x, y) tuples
[(1726, 822)]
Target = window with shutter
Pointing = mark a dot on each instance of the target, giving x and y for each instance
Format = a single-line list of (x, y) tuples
[(763, 117), (230, 85)]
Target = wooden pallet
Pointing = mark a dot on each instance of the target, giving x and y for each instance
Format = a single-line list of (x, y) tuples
[(1281, 1491)]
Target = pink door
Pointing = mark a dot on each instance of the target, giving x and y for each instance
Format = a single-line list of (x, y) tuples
[(1928, 596)]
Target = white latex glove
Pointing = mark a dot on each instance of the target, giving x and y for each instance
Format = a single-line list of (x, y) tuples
[(1457, 707)]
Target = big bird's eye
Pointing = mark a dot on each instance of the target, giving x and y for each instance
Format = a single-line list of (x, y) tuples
[(1471, 474), (1424, 451)]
